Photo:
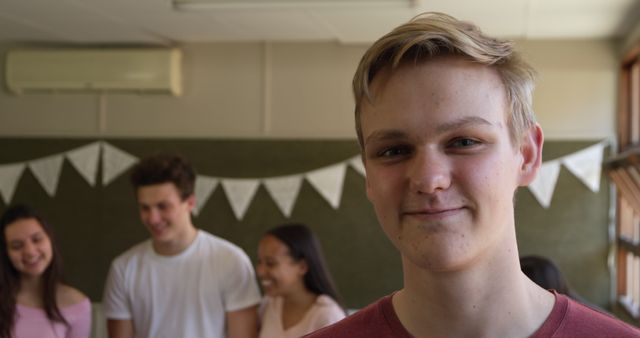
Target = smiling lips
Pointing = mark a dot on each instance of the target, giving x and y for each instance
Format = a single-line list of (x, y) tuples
[(33, 262), (157, 229), (433, 213)]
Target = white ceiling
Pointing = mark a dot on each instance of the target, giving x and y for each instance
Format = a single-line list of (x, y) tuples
[(353, 21)]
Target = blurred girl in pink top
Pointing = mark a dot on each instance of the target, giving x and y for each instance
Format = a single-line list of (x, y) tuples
[(35, 303), (300, 296)]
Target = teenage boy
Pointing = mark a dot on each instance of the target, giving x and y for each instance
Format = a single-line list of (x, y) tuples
[(447, 132), (183, 282)]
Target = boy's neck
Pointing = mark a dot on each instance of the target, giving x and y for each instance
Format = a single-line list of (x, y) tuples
[(492, 298), (178, 245)]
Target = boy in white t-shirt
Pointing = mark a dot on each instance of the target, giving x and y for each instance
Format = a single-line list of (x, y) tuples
[(183, 282)]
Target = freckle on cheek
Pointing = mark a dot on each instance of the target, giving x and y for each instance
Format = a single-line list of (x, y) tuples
[(427, 261), (414, 245)]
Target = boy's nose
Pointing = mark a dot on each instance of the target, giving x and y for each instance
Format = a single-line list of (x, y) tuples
[(429, 172)]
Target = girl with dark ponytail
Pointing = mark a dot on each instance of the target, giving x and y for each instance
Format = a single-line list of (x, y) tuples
[(300, 296)]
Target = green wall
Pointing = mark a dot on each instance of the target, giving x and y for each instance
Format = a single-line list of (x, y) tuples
[(94, 224), (573, 231)]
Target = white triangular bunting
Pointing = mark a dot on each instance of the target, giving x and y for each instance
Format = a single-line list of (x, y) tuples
[(356, 163), (114, 162), (544, 184), (85, 161), (9, 177), (240, 192), (586, 165), (204, 186), (284, 191), (47, 172), (328, 181)]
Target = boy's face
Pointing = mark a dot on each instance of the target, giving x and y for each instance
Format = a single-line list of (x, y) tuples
[(441, 168), (163, 211)]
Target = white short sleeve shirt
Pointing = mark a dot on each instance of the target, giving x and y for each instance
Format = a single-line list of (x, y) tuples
[(186, 295)]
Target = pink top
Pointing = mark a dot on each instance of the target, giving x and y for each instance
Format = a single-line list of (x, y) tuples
[(33, 322), (325, 311)]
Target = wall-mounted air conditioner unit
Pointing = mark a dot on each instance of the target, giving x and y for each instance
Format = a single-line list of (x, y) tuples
[(151, 70)]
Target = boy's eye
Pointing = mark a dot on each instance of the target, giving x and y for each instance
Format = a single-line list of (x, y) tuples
[(464, 142), (394, 151)]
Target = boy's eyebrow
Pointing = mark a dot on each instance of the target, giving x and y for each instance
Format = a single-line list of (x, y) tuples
[(385, 134), (393, 134), (462, 122)]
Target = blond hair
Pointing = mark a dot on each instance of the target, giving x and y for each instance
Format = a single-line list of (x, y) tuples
[(433, 34)]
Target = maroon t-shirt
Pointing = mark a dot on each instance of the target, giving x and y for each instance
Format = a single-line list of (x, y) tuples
[(568, 318)]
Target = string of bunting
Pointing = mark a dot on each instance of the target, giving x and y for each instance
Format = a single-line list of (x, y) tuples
[(328, 181)]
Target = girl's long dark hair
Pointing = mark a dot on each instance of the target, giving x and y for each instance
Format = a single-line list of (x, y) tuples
[(304, 245), (10, 277), (545, 273)]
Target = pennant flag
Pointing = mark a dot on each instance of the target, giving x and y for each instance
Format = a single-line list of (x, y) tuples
[(114, 162), (47, 172), (240, 192), (9, 177), (328, 181), (204, 186), (85, 161), (544, 184), (586, 165), (284, 191), (356, 163)]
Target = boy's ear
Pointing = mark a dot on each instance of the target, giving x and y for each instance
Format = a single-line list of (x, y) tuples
[(531, 151), (191, 201)]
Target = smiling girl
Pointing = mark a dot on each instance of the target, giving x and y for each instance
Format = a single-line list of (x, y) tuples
[(300, 296), (35, 303)]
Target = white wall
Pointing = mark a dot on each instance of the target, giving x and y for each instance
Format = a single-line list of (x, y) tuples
[(300, 90), (575, 95)]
